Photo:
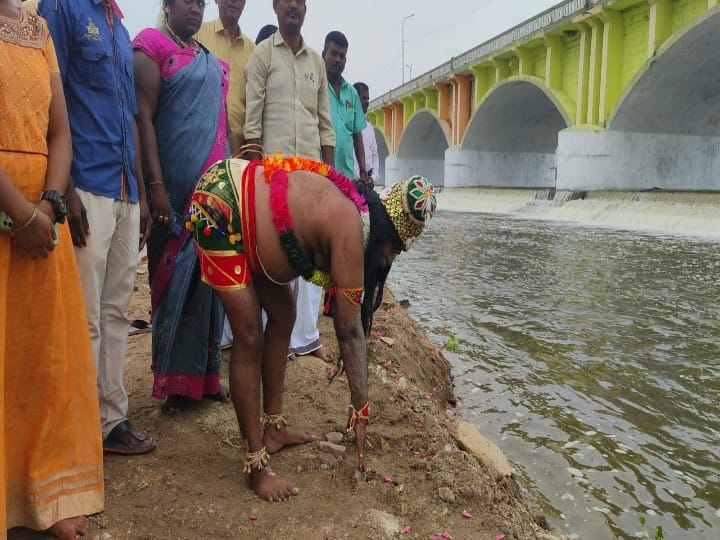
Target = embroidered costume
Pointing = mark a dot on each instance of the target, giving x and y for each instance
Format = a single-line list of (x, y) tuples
[(222, 215)]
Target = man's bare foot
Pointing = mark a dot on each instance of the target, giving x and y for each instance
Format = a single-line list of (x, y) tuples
[(71, 528), (275, 439), (270, 487), (325, 354)]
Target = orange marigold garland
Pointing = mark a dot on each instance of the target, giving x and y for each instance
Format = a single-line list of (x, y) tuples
[(276, 171)]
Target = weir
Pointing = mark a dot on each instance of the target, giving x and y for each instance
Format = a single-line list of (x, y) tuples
[(680, 213)]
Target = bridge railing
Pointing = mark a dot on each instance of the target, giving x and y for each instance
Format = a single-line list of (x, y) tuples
[(457, 64)]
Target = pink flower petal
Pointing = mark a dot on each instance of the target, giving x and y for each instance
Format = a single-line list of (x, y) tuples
[(377, 335), (447, 535), (387, 479), (253, 517), (406, 529), (467, 515), (500, 537)]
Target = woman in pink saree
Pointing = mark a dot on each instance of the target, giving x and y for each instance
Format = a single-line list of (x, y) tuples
[(181, 90)]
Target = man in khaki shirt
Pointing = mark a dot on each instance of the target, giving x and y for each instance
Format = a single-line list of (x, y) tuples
[(288, 109), (226, 41)]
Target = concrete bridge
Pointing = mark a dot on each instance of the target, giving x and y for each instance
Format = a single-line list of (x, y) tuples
[(589, 95)]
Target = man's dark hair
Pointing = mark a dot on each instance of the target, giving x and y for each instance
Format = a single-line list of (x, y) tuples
[(338, 38), (381, 231), (361, 86), (265, 32)]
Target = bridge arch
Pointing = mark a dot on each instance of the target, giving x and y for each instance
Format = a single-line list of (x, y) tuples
[(677, 90), (518, 115), (513, 135), (421, 150)]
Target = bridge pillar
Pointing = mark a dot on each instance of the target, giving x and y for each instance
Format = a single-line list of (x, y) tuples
[(612, 61), (615, 160), (502, 69), (554, 64), (595, 75), (660, 24), (482, 81), (388, 125), (398, 123), (408, 108), (462, 104), (444, 102), (583, 83), (527, 61), (431, 99)]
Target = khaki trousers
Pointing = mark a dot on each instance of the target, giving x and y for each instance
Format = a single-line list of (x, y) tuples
[(108, 267)]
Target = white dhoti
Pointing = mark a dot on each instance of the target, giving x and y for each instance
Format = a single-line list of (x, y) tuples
[(305, 337)]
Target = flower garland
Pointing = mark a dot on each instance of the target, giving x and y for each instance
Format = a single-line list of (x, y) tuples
[(276, 171)]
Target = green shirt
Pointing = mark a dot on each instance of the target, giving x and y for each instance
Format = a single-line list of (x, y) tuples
[(347, 119)]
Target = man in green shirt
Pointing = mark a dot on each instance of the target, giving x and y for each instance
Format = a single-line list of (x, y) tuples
[(347, 114)]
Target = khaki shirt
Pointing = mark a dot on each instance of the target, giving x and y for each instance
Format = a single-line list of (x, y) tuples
[(236, 53), (287, 100)]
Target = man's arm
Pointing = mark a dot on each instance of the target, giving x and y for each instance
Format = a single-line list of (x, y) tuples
[(347, 268), (359, 146), (145, 219), (256, 73)]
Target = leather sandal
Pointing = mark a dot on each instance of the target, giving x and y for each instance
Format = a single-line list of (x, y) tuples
[(116, 441)]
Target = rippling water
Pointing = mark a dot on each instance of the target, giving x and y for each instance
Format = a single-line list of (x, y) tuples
[(590, 356)]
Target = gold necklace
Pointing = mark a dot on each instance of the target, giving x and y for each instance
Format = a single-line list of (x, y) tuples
[(177, 39)]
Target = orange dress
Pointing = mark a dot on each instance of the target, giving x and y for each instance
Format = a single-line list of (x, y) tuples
[(51, 442)]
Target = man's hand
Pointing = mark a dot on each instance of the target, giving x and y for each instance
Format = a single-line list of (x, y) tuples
[(145, 222), (162, 211), (77, 218)]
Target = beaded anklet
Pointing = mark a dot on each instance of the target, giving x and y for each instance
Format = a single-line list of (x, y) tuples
[(256, 460), (359, 415), (273, 419)]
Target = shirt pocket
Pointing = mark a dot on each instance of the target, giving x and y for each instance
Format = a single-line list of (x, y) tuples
[(98, 66), (308, 94)]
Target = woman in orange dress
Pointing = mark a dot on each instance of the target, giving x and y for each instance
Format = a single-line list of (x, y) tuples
[(51, 473)]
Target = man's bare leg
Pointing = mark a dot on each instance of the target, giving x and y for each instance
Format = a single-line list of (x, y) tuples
[(71, 528), (279, 305), (243, 312)]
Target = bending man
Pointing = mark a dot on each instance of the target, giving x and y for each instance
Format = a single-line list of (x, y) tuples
[(257, 225)]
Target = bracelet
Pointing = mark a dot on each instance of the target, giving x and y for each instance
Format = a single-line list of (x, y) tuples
[(32, 218), (155, 182)]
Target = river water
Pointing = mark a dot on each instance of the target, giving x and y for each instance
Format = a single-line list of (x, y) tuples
[(591, 356)]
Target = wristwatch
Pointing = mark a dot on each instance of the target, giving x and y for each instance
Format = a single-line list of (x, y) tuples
[(59, 205)]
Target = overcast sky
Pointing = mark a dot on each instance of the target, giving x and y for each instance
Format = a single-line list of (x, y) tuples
[(438, 30)]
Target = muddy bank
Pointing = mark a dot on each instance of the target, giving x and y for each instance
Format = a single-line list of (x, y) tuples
[(422, 482)]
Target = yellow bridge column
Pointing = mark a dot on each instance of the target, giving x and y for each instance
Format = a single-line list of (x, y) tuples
[(612, 61), (398, 124), (554, 63), (431, 99), (596, 57), (581, 102), (409, 107), (527, 61), (712, 3), (461, 106), (660, 24), (482, 81), (418, 101), (502, 69)]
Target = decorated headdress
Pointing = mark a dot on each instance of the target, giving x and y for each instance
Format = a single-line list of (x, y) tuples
[(409, 204)]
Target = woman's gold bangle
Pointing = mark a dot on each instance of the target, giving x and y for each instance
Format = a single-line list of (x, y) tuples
[(156, 183), (32, 218)]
